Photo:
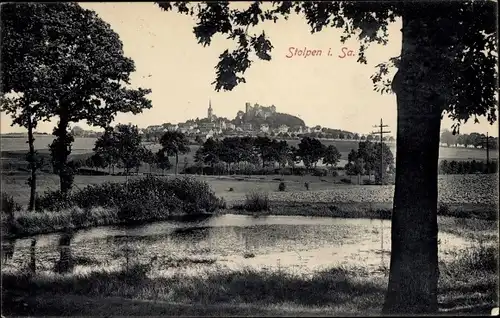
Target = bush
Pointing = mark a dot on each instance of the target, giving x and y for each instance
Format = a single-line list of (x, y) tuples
[(52, 201), (282, 186), (256, 202), (9, 205), (346, 180), (146, 198), (319, 172)]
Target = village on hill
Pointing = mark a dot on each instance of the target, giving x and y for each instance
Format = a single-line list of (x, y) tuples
[(256, 120)]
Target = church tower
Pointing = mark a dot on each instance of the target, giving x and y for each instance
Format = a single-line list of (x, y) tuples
[(210, 110)]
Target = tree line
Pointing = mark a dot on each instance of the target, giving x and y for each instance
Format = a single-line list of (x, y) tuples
[(122, 147), (264, 152), (473, 139)]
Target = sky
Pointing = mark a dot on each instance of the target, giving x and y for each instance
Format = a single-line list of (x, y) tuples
[(322, 90)]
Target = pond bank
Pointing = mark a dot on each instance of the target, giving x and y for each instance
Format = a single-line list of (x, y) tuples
[(34, 223)]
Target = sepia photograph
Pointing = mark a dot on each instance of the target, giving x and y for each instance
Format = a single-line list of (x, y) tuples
[(249, 158)]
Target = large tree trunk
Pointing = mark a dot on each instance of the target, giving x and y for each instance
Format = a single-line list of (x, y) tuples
[(414, 259), (33, 166)]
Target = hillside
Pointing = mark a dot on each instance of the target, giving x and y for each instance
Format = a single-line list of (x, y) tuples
[(274, 121)]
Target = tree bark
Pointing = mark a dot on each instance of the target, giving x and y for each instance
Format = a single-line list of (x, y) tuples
[(61, 148), (414, 270), (33, 166), (176, 162)]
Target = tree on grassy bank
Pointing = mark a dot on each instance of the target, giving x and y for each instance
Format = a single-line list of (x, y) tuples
[(122, 146), (76, 69), (174, 143), (331, 156), (27, 114), (447, 63)]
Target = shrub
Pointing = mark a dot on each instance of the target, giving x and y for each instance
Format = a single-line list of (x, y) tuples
[(257, 201), (140, 199), (282, 186), (52, 201), (346, 180), (9, 205), (319, 172)]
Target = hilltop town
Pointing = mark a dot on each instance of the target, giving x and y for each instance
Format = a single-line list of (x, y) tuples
[(254, 121)]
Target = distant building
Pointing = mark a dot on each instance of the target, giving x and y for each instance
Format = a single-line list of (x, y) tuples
[(259, 111), (264, 128), (222, 124), (296, 129), (207, 125), (283, 129), (247, 126), (210, 112), (171, 127)]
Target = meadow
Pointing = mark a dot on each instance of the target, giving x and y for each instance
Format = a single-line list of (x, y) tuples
[(85, 145)]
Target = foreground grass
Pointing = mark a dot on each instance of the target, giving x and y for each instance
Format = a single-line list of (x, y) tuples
[(467, 285), (221, 292)]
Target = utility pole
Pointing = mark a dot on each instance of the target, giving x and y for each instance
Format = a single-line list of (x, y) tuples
[(487, 142), (381, 132)]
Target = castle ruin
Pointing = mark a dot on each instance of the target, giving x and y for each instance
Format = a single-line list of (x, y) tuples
[(259, 111)]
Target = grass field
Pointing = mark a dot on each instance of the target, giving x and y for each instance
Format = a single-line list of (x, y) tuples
[(453, 189)]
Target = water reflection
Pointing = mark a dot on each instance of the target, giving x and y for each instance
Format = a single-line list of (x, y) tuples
[(65, 263), (221, 237), (8, 247), (32, 263)]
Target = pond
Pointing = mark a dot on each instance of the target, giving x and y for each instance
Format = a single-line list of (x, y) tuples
[(302, 244)]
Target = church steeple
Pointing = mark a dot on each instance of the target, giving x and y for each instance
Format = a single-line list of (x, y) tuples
[(210, 110)]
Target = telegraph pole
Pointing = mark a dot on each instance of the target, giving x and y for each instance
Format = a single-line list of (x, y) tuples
[(487, 142), (381, 132)]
